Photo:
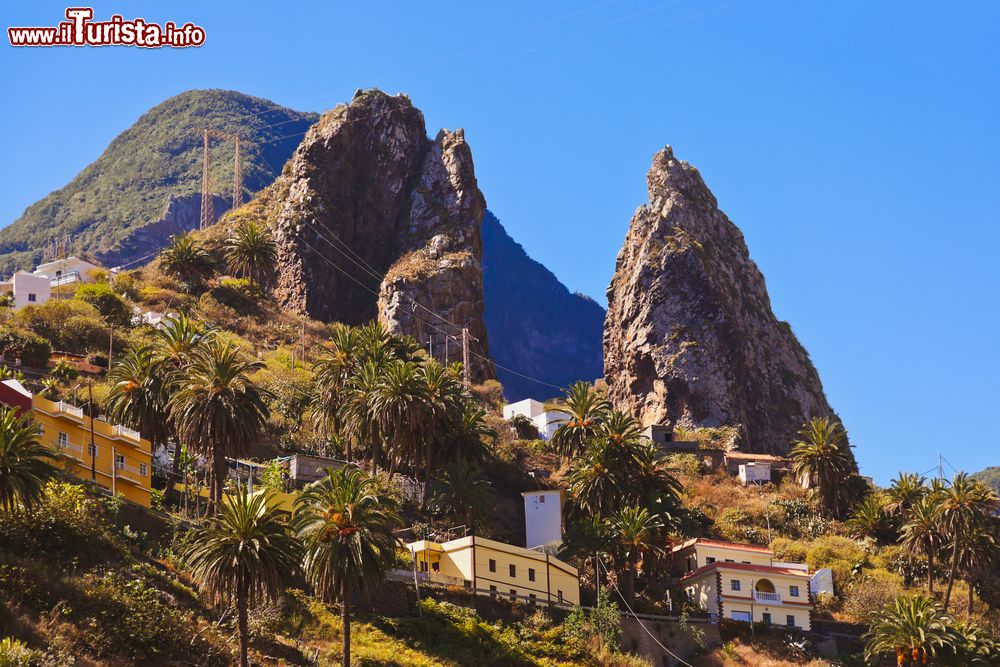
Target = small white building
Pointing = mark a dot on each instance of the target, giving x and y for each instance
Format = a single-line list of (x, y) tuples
[(755, 472), (66, 274), (822, 582), (27, 288), (543, 517), (546, 421)]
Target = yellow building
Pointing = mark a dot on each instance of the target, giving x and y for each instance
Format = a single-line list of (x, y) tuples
[(493, 568), (742, 582), (120, 461)]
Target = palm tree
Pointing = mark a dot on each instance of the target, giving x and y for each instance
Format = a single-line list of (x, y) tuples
[(138, 396), (966, 504), (218, 410), (823, 456), (401, 411), (601, 480), (26, 465), (979, 552), (921, 533), (346, 527), (653, 486), (463, 493), (245, 553), (586, 407), (444, 402), (333, 373), (632, 533), (869, 518), (251, 252), (914, 628), (904, 492), (175, 345), (186, 258), (467, 435)]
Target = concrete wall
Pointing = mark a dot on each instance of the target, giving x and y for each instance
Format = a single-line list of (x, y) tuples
[(529, 407), (29, 289)]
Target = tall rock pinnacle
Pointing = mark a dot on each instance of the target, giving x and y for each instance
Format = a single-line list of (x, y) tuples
[(689, 337), (374, 219)]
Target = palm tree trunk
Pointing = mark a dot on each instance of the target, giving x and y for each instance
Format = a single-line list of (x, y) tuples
[(952, 572), (930, 572), (219, 474), (345, 615), (175, 471), (427, 476), (241, 605), (971, 590)]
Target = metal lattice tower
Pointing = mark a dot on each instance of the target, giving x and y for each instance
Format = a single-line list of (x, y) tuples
[(207, 209)]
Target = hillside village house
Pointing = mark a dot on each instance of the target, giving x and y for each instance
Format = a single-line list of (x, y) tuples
[(742, 582), (58, 278), (493, 568), (119, 459), (546, 421)]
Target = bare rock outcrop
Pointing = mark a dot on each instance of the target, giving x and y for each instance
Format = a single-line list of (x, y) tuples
[(689, 337), (374, 219)]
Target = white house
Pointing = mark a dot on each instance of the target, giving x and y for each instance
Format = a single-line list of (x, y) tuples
[(543, 522), (755, 472), (27, 289), (546, 421), (66, 274)]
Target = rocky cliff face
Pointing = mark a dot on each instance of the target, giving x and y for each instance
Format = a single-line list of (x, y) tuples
[(690, 337), (535, 324), (372, 218)]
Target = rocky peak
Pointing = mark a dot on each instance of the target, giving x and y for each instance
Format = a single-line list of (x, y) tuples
[(689, 337), (372, 218)]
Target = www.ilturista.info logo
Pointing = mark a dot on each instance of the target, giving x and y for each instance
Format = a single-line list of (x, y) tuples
[(81, 30)]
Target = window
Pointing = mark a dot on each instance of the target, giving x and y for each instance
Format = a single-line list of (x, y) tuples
[(559, 596), (734, 584), (790, 620), (513, 569), (143, 469), (63, 439), (423, 566), (436, 566), (531, 574), (119, 462), (91, 450), (766, 617), (32, 298), (532, 598), (541, 499), (745, 562), (730, 560), (709, 559), (493, 591), (793, 591), (513, 594), (493, 565)]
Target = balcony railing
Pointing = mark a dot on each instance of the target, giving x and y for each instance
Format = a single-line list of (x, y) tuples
[(65, 279), (126, 432), (129, 472), (761, 596), (68, 409), (71, 449)]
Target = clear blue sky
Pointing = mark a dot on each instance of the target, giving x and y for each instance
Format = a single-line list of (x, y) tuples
[(855, 143)]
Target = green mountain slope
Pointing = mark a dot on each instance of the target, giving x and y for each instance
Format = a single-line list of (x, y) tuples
[(104, 210)]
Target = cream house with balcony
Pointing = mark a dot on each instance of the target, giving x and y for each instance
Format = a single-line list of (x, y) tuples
[(493, 568), (65, 275), (743, 583)]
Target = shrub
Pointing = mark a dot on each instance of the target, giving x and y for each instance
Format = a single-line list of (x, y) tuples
[(686, 464), (31, 349), (15, 653), (70, 325), (867, 595), (63, 370), (112, 307)]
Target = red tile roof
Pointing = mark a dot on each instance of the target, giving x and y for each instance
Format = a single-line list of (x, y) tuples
[(766, 569), (739, 546)]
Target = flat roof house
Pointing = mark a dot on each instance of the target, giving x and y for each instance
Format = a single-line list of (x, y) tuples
[(66, 274), (546, 421), (743, 583), (497, 569)]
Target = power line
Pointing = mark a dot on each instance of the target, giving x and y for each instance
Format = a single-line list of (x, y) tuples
[(641, 624)]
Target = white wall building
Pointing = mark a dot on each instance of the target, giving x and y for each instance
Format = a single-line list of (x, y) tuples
[(543, 521), (546, 421), (66, 274), (27, 289), (755, 472)]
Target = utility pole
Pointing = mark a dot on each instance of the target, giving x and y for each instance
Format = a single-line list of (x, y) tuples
[(940, 468), (111, 344), (206, 195), (302, 342), (430, 346), (93, 446), (465, 355)]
